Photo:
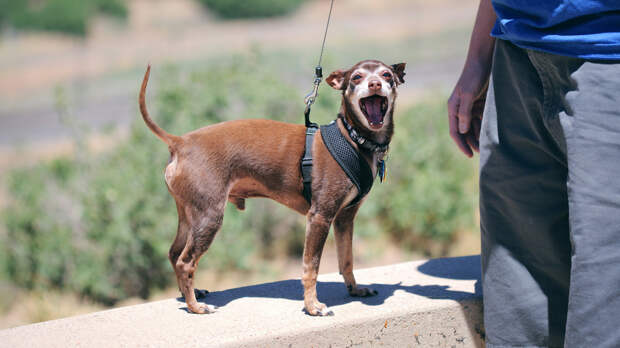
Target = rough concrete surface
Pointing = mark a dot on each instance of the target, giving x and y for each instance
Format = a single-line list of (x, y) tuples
[(429, 303)]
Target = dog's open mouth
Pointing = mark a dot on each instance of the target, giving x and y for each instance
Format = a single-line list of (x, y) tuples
[(374, 108)]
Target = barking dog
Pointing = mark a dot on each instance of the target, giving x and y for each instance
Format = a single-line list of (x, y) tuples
[(235, 160)]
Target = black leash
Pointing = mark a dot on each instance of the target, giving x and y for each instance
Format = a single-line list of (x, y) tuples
[(311, 127), (318, 75), (354, 166), (329, 17)]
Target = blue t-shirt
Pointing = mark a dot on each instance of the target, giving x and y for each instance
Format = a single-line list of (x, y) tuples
[(579, 28)]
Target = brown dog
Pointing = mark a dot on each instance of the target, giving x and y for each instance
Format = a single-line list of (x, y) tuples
[(241, 159)]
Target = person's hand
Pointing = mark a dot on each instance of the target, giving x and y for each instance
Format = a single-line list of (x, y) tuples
[(466, 103), (465, 107)]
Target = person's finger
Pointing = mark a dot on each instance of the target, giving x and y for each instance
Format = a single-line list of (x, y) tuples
[(464, 112), (454, 132), (460, 141), (471, 141), (478, 109)]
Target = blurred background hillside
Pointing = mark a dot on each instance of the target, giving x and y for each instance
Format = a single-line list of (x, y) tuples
[(85, 217)]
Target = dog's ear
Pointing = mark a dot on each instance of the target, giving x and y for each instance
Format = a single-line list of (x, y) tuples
[(399, 70), (336, 79)]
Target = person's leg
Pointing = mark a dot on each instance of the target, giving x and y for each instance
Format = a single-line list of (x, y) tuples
[(523, 209), (591, 125)]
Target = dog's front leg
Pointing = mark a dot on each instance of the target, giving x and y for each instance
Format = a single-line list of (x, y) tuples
[(343, 233), (317, 228)]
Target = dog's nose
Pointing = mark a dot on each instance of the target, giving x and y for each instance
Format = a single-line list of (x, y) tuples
[(374, 85)]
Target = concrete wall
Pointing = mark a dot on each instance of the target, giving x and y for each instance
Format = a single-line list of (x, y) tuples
[(430, 303)]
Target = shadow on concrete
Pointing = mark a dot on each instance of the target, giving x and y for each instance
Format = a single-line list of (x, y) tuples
[(459, 268), (330, 293), (335, 293)]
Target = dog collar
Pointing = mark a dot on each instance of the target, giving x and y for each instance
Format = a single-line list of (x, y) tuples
[(362, 142)]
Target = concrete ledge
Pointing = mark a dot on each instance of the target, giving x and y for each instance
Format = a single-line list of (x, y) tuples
[(432, 303)]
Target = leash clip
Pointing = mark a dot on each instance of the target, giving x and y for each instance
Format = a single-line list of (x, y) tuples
[(311, 97)]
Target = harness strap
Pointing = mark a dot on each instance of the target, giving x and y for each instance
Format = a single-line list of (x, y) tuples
[(306, 164), (349, 159)]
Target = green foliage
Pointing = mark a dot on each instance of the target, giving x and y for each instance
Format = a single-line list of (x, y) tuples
[(427, 196), (100, 224), (116, 8), (67, 16), (252, 8)]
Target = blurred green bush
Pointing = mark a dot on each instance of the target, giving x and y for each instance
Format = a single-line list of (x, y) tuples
[(67, 16), (251, 8), (100, 224), (427, 197)]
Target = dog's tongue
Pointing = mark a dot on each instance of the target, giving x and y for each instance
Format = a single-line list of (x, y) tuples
[(373, 109)]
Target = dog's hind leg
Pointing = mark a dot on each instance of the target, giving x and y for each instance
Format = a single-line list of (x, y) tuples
[(179, 243), (177, 247), (343, 233), (198, 230)]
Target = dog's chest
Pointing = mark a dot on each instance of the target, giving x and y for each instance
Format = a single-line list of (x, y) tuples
[(349, 197), (350, 160)]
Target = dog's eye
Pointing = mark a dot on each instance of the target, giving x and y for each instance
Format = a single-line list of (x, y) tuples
[(357, 77), (387, 75)]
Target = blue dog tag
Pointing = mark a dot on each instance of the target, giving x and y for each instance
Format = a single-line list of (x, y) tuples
[(381, 170)]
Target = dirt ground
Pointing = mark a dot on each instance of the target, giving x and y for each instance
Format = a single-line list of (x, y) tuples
[(101, 74), (160, 30)]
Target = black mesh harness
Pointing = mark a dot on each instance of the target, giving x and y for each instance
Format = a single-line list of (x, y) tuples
[(349, 159)]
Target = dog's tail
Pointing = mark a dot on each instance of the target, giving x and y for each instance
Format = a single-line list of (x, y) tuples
[(168, 138)]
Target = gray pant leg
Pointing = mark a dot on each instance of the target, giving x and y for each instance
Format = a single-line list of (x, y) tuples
[(591, 124), (551, 145), (523, 208)]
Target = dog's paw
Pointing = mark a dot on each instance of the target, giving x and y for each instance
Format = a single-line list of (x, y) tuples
[(362, 292), (203, 309), (319, 310), (326, 312), (200, 293)]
